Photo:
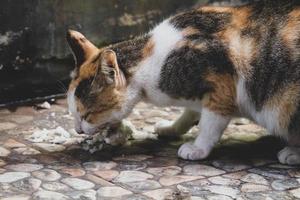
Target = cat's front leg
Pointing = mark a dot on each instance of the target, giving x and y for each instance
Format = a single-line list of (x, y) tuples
[(182, 125), (212, 126)]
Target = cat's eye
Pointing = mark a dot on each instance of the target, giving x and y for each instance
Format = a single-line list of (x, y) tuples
[(112, 73)]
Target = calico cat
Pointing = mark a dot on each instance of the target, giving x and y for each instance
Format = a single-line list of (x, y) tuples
[(217, 62)]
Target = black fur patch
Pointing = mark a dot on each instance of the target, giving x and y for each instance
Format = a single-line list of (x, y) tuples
[(206, 22), (84, 91), (183, 74), (267, 14), (129, 53), (271, 70), (198, 36), (265, 10), (83, 88)]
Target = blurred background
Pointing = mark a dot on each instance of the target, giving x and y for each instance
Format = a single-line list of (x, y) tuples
[(35, 61)]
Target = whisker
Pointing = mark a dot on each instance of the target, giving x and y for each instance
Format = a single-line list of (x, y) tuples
[(62, 86)]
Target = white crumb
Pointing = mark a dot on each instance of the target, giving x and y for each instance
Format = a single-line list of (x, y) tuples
[(45, 105), (55, 136), (106, 137)]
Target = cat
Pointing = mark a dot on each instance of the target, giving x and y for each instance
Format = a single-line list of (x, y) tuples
[(216, 62)]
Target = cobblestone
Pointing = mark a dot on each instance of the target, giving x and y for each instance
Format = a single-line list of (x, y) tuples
[(172, 180), (254, 178), (140, 170), (86, 195), (108, 175), (24, 167), (11, 143), (78, 184), (112, 192), (224, 181), (201, 170), (132, 176), (26, 185), (160, 194), (10, 177), (4, 152), (249, 187), (6, 126), (55, 186), (165, 171), (96, 166), (47, 175), (142, 186), (74, 172), (286, 184), (49, 195)]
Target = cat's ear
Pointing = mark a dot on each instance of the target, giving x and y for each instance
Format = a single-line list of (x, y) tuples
[(81, 47), (110, 69)]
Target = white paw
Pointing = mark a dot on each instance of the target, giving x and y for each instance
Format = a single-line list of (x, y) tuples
[(189, 151), (289, 156), (164, 129)]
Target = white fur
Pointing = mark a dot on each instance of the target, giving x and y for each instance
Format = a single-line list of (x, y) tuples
[(268, 117), (131, 98), (88, 128), (212, 126), (165, 37), (72, 102), (73, 110)]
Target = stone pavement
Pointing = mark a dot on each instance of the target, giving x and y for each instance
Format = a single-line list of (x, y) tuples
[(243, 166)]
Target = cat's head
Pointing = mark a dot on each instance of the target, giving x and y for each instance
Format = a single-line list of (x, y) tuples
[(97, 89)]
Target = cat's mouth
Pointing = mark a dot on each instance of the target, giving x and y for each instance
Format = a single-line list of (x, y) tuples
[(104, 129)]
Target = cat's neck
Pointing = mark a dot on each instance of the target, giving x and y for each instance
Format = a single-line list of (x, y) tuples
[(130, 53)]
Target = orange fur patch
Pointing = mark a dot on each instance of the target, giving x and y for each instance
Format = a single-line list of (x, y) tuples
[(108, 101), (240, 17), (216, 9), (87, 70), (290, 32), (222, 99), (148, 49), (189, 31), (191, 44), (241, 49), (82, 44)]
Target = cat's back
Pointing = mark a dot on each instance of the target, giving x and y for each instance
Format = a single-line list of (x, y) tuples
[(259, 42), (246, 32)]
